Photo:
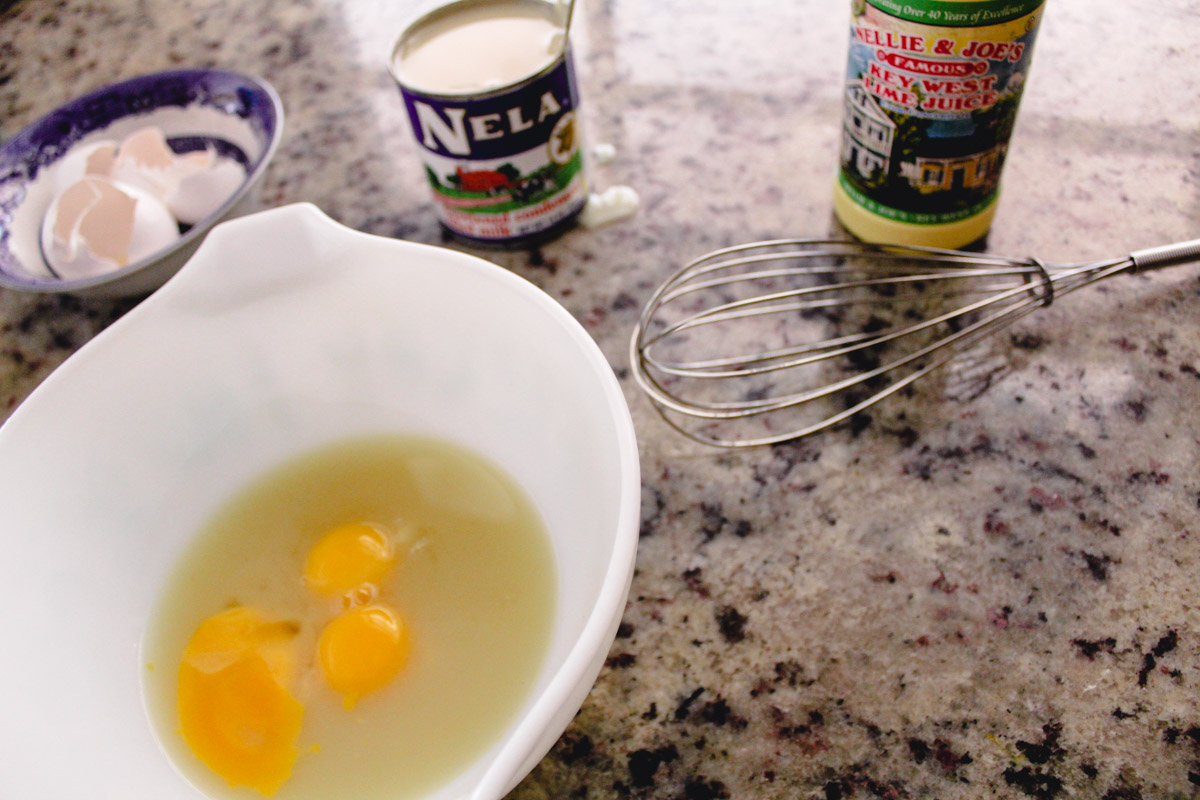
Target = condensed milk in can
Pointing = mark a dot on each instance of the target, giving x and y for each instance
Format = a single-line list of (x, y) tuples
[(490, 92)]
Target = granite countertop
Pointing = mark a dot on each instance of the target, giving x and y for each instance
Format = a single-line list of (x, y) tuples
[(984, 596)]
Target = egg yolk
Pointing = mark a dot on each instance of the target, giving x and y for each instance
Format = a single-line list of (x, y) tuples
[(235, 711), (347, 557), (361, 650)]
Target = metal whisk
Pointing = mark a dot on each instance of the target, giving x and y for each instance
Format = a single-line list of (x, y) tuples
[(799, 335)]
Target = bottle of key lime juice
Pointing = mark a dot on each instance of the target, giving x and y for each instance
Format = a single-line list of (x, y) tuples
[(931, 97)]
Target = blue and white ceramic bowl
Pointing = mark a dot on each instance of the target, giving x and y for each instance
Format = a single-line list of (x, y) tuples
[(241, 116)]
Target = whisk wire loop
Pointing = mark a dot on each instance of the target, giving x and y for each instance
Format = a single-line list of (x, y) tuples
[(744, 408), (836, 310), (767, 361)]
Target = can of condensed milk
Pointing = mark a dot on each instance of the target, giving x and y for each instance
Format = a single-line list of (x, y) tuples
[(490, 91)]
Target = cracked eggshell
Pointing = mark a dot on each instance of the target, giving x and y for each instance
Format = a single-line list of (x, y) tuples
[(98, 226), (202, 193), (193, 185), (90, 159)]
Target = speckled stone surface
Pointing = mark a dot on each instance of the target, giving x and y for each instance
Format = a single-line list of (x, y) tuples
[(984, 597)]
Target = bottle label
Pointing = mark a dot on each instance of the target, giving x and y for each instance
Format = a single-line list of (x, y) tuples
[(507, 165), (932, 92)]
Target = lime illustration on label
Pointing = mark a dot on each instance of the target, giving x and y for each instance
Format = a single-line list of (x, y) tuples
[(930, 106)]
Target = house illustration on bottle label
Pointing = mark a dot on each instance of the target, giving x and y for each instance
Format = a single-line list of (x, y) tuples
[(868, 136)]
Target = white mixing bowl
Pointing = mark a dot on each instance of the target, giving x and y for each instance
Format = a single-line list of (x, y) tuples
[(284, 332)]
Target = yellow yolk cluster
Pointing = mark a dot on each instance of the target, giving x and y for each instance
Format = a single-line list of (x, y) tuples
[(235, 710), (365, 646)]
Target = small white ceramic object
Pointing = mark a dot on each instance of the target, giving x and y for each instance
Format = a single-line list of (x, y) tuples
[(284, 332), (240, 116)]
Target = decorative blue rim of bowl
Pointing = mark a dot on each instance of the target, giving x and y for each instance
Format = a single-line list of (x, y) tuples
[(43, 142)]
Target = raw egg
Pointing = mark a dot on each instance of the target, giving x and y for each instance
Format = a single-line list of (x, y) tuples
[(360, 623), (362, 650), (347, 557), (235, 710)]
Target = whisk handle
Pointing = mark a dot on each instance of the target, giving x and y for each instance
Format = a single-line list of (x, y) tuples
[(1167, 255)]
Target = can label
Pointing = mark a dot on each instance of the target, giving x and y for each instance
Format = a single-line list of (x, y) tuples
[(931, 98), (507, 165)]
